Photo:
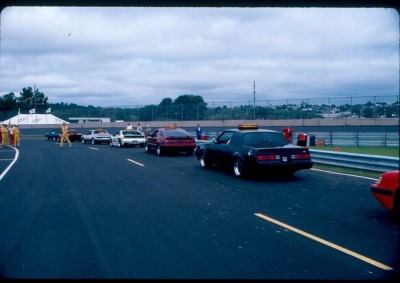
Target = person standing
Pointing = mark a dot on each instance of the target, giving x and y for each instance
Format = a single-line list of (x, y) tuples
[(147, 130), (64, 135), (17, 137), (4, 135), (199, 132), (129, 127), (139, 128)]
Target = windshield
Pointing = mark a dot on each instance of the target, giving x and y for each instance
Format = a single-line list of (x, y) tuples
[(264, 139), (176, 133)]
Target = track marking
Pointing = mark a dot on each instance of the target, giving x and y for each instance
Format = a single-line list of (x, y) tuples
[(11, 164), (94, 148), (344, 174), (324, 242), (137, 163)]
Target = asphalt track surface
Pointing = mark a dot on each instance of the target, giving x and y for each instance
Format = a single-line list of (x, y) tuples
[(89, 212)]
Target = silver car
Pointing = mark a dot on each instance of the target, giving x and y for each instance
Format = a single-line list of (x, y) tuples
[(127, 137), (96, 136)]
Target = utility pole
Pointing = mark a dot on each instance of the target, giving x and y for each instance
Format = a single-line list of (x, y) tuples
[(254, 100)]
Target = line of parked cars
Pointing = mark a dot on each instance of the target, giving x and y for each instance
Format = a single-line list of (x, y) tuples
[(244, 150)]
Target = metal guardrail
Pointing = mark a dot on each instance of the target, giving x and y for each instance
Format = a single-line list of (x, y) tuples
[(353, 160)]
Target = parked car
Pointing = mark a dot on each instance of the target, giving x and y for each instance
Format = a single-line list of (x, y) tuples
[(74, 135), (170, 138), (387, 191), (96, 136), (127, 137), (249, 149), (55, 135)]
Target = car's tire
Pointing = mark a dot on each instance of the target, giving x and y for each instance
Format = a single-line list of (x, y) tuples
[(204, 161), (189, 152), (146, 148), (159, 150), (238, 167)]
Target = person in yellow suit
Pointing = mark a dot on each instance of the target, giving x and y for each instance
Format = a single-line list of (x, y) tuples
[(64, 135), (17, 136), (4, 135)]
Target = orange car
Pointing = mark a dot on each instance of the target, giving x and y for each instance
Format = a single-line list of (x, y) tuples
[(387, 190)]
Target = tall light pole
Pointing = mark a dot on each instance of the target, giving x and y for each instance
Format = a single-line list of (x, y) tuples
[(254, 100)]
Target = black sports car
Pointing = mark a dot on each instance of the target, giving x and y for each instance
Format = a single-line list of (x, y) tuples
[(249, 149)]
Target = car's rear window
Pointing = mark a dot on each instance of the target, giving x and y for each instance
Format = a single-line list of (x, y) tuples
[(132, 133), (100, 132), (264, 139), (176, 133)]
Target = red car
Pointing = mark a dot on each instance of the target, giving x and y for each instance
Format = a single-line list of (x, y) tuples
[(170, 138), (387, 190)]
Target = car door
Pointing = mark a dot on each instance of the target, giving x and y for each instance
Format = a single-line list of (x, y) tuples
[(152, 139), (220, 148)]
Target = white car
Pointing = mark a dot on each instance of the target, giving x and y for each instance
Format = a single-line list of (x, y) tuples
[(96, 136), (127, 137)]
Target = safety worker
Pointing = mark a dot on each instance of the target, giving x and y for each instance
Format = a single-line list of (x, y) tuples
[(4, 135), (10, 130), (16, 135), (64, 135), (288, 133)]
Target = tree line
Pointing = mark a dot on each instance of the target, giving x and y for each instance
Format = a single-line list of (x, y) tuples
[(186, 107)]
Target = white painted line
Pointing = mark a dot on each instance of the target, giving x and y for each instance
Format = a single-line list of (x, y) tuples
[(94, 148), (11, 164), (324, 242), (344, 174), (137, 163)]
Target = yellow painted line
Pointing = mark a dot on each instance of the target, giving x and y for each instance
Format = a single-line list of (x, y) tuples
[(135, 162), (94, 148), (324, 242)]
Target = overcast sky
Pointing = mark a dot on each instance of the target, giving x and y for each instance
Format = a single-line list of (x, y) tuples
[(132, 56)]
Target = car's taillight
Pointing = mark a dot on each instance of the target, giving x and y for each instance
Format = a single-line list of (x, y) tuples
[(301, 156), (267, 157)]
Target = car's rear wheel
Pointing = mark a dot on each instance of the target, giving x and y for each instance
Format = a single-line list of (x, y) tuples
[(238, 168), (159, 150)]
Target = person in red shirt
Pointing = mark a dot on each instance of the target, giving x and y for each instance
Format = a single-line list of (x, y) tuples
[(288, 133)]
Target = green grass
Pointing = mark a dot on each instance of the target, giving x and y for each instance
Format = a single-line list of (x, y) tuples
[(394, 152)]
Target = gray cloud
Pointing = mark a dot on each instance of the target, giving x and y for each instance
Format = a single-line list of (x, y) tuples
[(129, 56)]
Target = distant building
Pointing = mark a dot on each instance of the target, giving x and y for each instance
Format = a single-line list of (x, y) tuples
[(81, 120)]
